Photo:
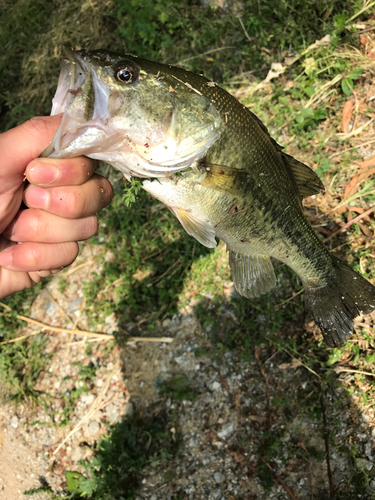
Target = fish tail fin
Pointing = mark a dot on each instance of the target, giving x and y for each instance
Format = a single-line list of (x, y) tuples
[(335, 305)]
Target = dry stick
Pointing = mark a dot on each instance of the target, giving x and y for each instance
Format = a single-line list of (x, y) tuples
[(61, 309), (326, 432), (302, 364), (348, 224), (347, 370), (74, 269), (353, 147), (105, 336), (279, 480), (201, 55), (96, 405), (21, 337), (290, 298)]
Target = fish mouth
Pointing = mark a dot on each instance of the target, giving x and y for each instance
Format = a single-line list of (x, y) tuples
[(82, 100), (99, 122)]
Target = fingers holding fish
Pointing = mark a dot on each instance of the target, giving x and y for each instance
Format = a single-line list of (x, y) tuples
[(67, 172), (39, 226), (32, 256), (71, 202)]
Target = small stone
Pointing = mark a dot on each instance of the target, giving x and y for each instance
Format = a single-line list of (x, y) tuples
[(181, 360), (362, 463), (77, 454), (219, 477), (50, 308), (14, 422), (93, 428), (129, 409), (87, 399), (226, 430), (368, 450), (73, 304), (215, 386)]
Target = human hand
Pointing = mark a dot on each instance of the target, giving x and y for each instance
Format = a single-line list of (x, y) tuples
[(63, 197)]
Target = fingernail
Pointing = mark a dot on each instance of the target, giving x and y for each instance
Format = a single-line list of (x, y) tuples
[(6, 257), (36, 197), (43, 174), (55, 271)]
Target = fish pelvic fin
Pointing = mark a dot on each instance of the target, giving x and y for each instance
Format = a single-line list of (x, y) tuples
[(202, 230), (335, 305), (252, 275)]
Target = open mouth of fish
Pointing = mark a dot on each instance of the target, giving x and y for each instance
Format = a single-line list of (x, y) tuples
[(93, 125)]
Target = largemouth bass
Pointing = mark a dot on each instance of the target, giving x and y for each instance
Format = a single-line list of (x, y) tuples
[(217, 169)]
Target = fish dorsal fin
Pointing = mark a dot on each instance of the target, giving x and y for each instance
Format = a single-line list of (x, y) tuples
[(306, 179), (203, 231), (252, 275)]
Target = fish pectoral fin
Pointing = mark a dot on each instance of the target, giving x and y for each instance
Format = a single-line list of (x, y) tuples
[(222, 178), (306, 179), (252, 275), (202, 230)]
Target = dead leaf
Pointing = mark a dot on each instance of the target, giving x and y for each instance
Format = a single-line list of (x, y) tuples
[(238, 402), (276, 70), (171, 89), (347, 113), (367, 163), (256, 418), (240, 459), (294, 364), (326, 40)]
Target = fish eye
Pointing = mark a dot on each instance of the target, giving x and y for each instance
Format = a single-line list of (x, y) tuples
[(125, 74)]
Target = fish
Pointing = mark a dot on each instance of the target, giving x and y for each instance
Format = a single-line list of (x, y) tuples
[(213, 163)]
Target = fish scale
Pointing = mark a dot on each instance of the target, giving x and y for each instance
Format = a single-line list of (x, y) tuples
[(217, 169)]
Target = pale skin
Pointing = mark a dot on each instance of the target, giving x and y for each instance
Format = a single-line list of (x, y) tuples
[(63, 198)]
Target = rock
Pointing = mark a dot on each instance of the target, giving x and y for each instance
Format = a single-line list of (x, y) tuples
[(87, 399), (219, 477), (50, 308), (93, 428), (73, 304), (215, 385), (226, 430), (112, 413), (182, 360), (362, 463), (14, 422), (77, 454), (129, 409)]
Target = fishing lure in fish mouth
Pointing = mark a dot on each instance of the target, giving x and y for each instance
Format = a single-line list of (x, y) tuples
[(148, 119)]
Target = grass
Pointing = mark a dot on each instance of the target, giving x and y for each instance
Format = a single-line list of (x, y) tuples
[(148, 267)]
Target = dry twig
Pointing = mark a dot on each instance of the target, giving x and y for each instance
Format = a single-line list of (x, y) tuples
[(279, 480), (103, 336)]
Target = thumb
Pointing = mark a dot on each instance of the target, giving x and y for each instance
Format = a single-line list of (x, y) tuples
[(22, 144)]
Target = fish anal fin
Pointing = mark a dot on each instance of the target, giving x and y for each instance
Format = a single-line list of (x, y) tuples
[(202, 230), (306, 179), (252, 275)]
